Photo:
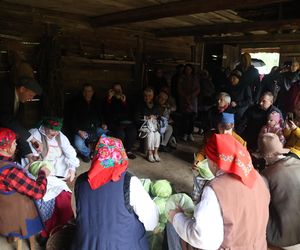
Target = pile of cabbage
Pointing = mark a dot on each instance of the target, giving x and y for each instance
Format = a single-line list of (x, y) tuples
[(161, 193)]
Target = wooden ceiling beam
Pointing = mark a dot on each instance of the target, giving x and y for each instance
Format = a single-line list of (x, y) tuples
[(177, 8), (253, 39), (225, 28)]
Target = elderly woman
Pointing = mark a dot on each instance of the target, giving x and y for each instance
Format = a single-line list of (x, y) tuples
[(222, 105), (113, 209), (283, 177), (224, 216), (57, 149), (147, 113), (165, 109), (19, 216)]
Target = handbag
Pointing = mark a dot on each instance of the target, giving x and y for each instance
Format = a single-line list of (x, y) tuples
[(149, 125)]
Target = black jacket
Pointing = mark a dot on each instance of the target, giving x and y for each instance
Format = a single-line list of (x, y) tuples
[(10, 119), (86, 116), (241, 94), (144, 110), (250, 78), (251, 123)]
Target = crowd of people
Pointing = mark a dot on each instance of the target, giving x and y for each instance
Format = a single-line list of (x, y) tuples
[(251, 148)]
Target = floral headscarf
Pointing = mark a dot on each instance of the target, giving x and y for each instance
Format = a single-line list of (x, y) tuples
[(7, 136), (109, 162), (53, 123), (231, 157)]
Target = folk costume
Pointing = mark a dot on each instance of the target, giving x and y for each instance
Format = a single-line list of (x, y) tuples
[(113, 209), (223, 218), (19, 216)]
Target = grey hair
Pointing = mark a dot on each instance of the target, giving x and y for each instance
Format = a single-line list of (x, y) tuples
[(226, 97)]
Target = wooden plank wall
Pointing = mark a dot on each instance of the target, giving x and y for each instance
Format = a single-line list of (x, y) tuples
[(289, 53), (79, 41)]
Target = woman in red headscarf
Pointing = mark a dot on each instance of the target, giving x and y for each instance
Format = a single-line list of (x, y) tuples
[(232, 212), (19, 216), (113, 209)]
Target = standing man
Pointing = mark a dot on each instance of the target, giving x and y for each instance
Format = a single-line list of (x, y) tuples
[(11, 99)]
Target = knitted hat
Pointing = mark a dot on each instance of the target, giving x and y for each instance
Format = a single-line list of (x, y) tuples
[(269, 145), (7, 137), (231, 157), (53, 123), (109, 162)]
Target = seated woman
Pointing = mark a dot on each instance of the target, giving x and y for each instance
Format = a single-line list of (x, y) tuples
[(165, 110), (224, 215), (222, 105), (61, 158), (19, 216), (113, 209), (292, 133), (147, 112), (57, 149), (119, 120)]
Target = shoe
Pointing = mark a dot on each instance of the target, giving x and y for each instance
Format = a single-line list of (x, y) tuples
[(185, 137), (151, 158), (191, 137), (156, 157), (163, 148), (173, 143), (131, 155)]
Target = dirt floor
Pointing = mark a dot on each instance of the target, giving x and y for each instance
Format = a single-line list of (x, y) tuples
[(175, 167)]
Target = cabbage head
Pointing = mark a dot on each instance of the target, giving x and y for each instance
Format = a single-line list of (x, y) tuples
[(161, 188)]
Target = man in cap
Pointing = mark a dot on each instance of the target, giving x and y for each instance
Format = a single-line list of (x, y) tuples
[(11, 96)]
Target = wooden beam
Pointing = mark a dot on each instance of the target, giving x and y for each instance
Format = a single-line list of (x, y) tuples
[(172, 9), (225, 28), (253, 39)]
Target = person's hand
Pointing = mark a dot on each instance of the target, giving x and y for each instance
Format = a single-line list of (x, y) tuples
[(83, 134), (292, 125), (46, 170), (173, 212), (111, 93), (233, 104), (32, 158), (71, 175), (38, 146), (123, 98), (104, 126)]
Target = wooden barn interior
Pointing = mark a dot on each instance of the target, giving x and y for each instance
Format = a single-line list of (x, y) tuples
[(101, 42)]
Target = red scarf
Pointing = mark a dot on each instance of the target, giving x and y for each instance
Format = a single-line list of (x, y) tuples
[(109, 162), (222, 109), (7, 137), (231, 157)]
